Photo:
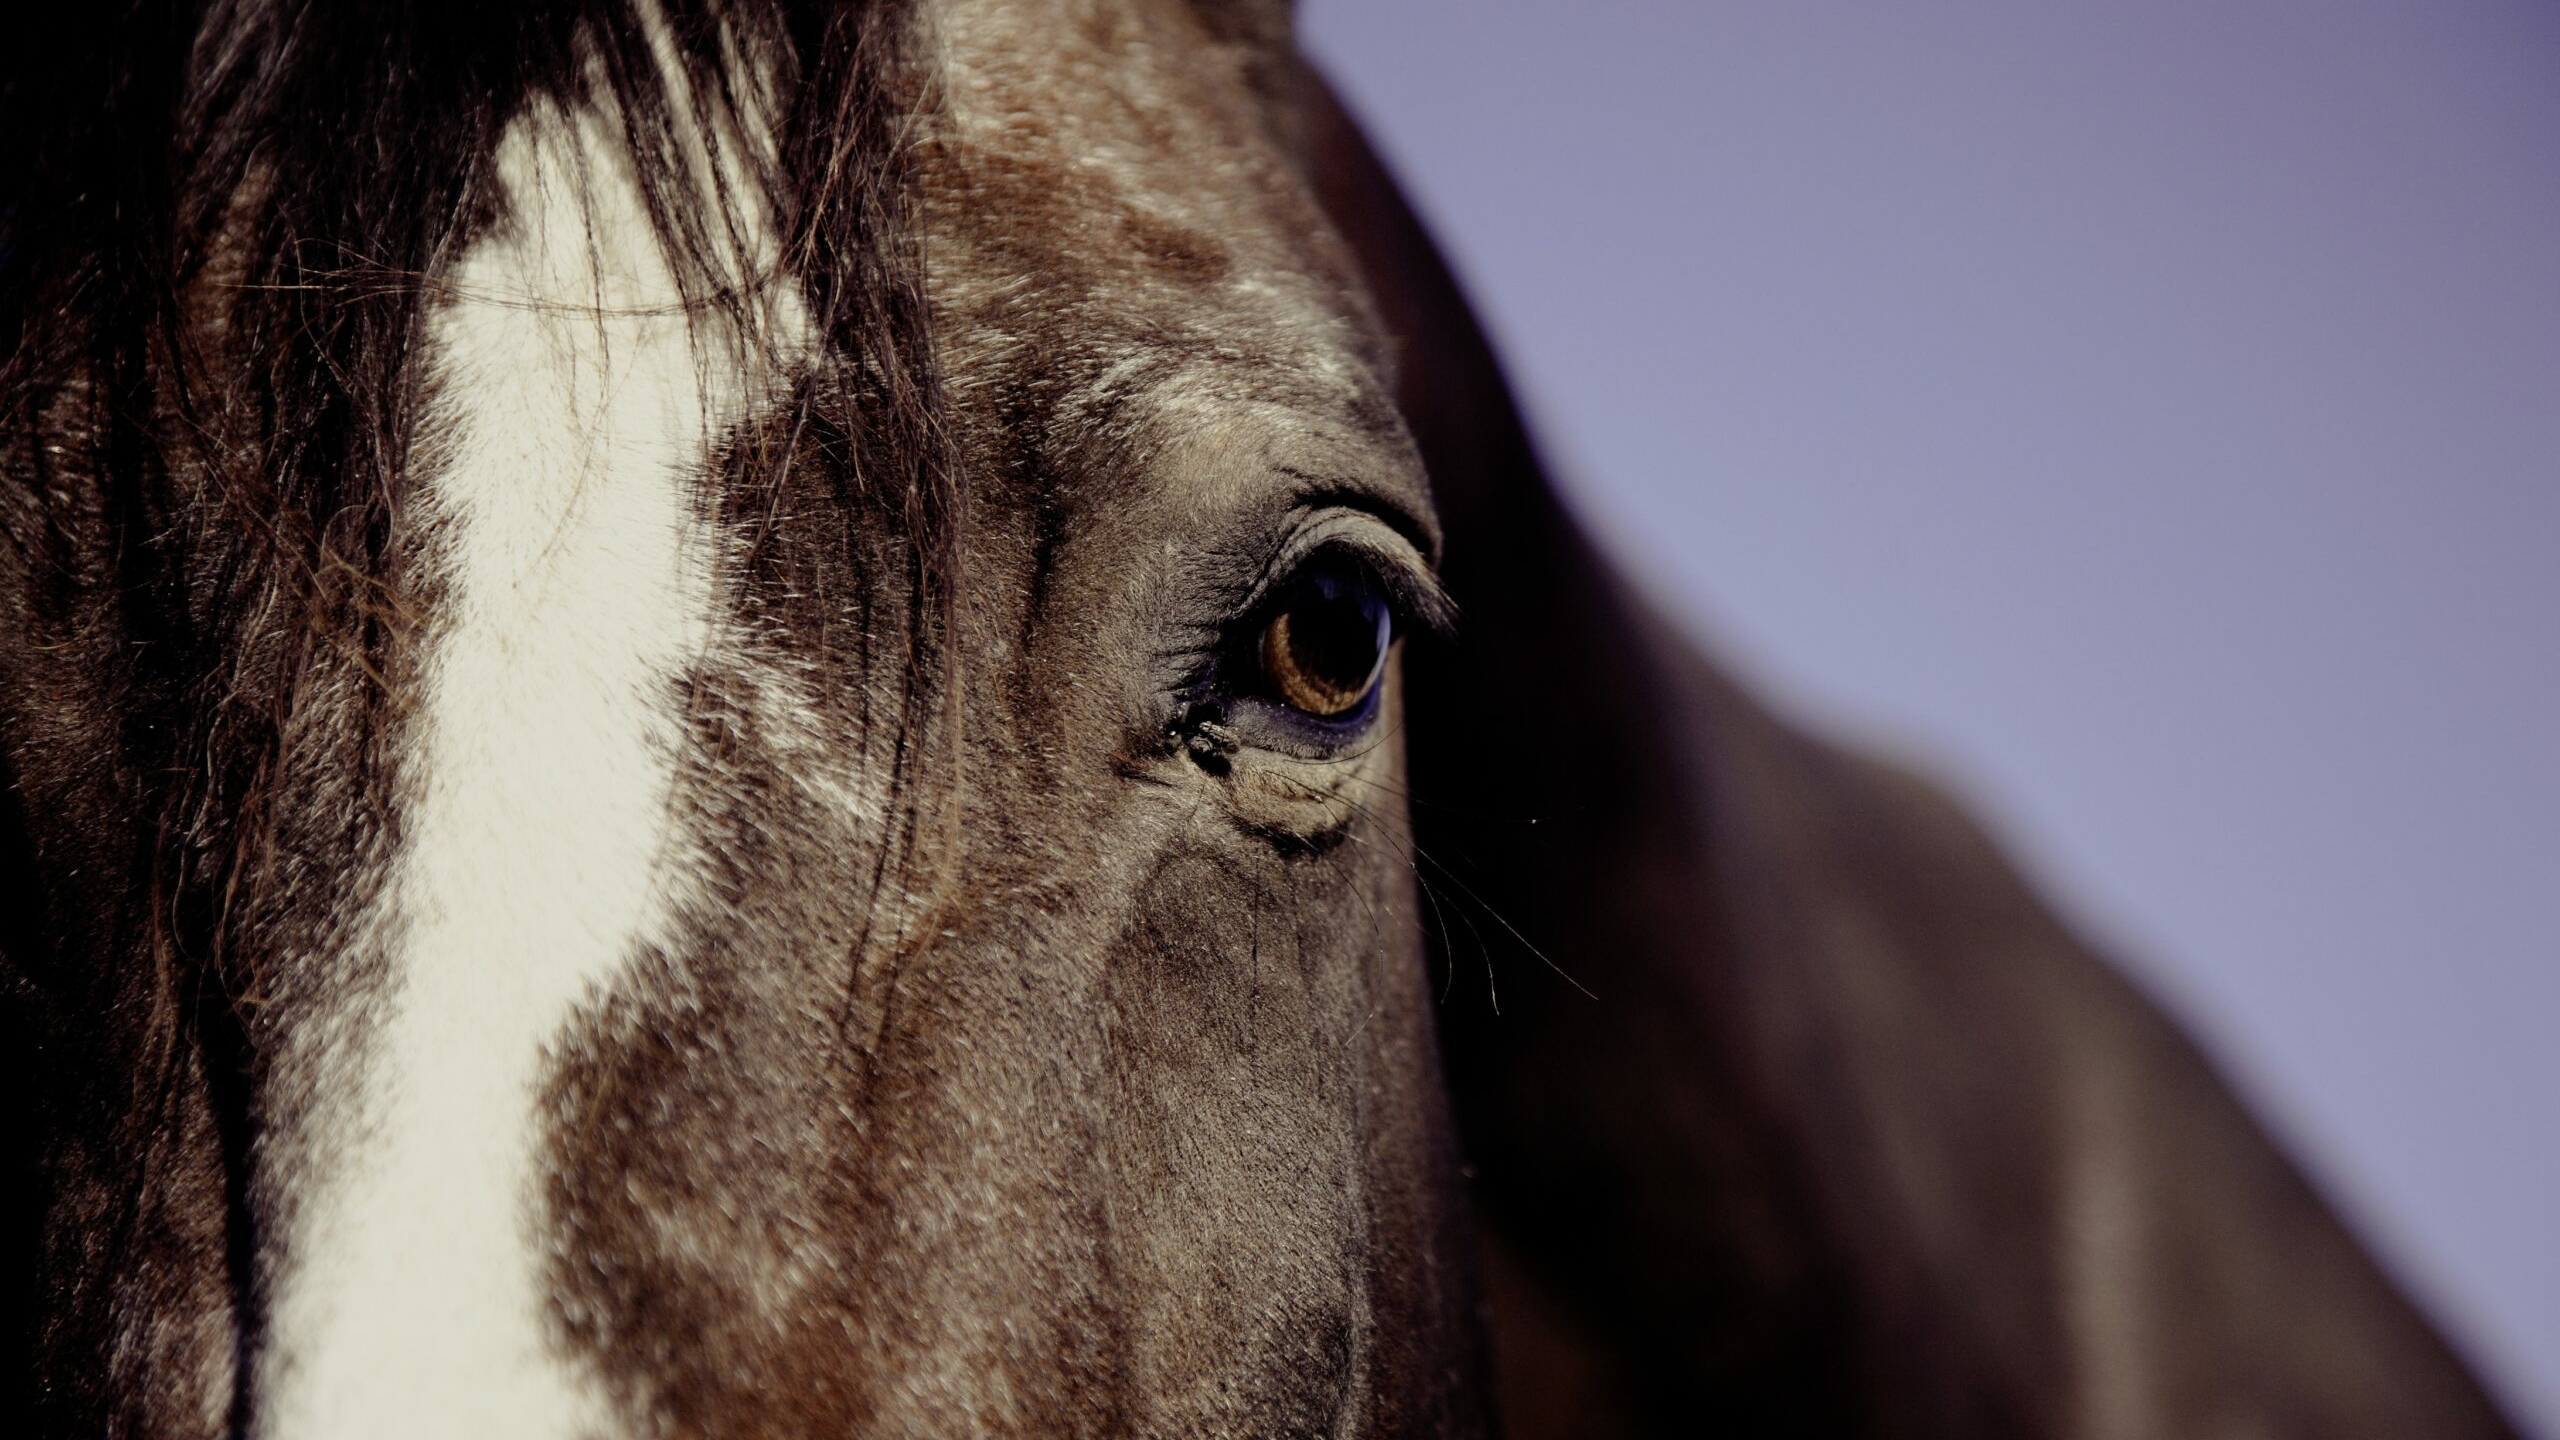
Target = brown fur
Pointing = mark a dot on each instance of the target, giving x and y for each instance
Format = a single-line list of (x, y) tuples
[(1045, 1049)]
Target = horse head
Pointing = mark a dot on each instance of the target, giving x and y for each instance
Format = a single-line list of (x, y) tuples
[(742, 718)]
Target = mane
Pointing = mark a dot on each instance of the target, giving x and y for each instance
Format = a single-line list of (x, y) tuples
[(223, 221), (221, 225)]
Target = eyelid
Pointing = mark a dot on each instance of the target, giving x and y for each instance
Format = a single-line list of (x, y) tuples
[(1412, 589)]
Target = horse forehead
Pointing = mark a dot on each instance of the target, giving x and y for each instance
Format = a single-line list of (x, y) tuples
[(1118, 147), (1106, 74), (1115, 228)]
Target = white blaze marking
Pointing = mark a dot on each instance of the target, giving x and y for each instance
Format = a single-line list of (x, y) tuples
[(538, 841)]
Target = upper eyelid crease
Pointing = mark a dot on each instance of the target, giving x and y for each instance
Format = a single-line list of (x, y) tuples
[(1399, 565), (1385, 503)]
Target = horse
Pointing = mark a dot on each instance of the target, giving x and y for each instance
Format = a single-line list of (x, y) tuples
[(739, 718)]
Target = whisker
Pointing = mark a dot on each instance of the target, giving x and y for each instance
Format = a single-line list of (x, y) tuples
[(1464, 889)]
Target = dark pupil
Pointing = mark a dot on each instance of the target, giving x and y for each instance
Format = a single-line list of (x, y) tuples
[(1332, 636)]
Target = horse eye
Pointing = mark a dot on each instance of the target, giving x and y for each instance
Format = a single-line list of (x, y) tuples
[(1323, 652)]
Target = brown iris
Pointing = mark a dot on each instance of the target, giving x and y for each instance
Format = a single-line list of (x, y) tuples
[(1322, 653)]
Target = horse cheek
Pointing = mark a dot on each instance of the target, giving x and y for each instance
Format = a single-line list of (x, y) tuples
[(1236, 1141)]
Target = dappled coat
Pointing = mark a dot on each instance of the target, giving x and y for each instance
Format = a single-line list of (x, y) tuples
[(750, 718)]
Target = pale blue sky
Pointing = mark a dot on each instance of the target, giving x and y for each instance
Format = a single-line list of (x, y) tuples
[(2149, 414)]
